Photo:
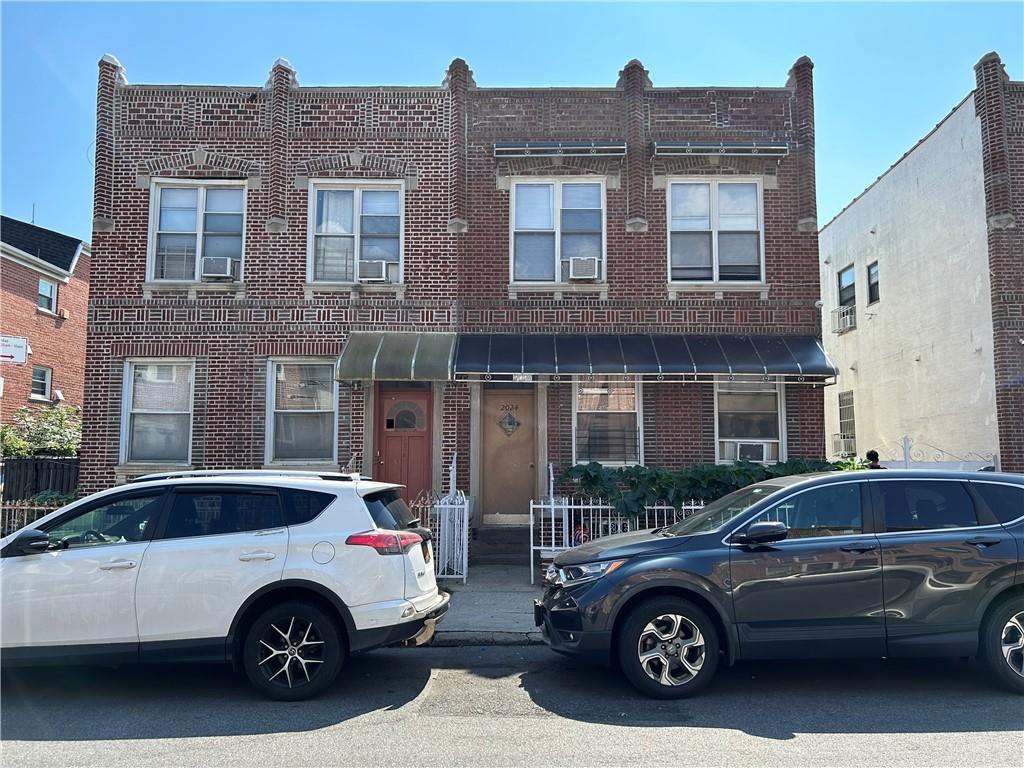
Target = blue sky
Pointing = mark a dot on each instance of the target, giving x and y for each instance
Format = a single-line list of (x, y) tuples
[(885, 74)]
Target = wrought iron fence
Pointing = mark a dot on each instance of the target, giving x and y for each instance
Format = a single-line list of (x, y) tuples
[(15, 515), (447, 518)]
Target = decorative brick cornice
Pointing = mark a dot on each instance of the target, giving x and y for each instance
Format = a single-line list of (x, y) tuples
[(358, 162), (198, 158)]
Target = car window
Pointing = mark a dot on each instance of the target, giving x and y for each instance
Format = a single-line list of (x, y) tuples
[(389, 510), (1005, 501), (830, 510), (213, 513), (922, 505), (302, 506), (723, 511), (118, 521)]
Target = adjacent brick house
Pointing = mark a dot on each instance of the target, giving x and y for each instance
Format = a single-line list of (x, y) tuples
[(923, 284), (389, 278), (44, 297)]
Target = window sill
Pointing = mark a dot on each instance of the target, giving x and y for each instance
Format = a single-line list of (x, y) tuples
[(123, 473), (676, 288), (353, 289), (299, 466), (47, 313), (558, 290), (192, 288), (39, 399)]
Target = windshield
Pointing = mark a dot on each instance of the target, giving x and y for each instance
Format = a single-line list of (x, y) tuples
[(723, 511)]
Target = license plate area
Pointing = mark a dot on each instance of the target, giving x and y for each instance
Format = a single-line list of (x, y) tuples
[(426, 551)]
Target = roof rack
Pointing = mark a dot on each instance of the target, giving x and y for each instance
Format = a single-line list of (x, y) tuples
[(350, 477)]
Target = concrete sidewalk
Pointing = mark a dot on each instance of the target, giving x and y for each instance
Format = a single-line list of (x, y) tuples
[(493, 607)]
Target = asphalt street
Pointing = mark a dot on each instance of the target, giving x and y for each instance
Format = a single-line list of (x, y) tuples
[(487, 706)]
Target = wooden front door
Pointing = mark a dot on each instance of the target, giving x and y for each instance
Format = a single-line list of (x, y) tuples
[(509, 451), (403, 439)]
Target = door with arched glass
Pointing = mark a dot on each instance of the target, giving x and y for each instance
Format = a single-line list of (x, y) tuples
[(403, 439)]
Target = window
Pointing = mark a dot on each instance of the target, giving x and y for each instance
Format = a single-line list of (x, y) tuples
[(554, 223), (42, 378), (302, 506), (847, 288), (117, 521), (872, 282), (47, 297), (832, 510), (158, 413), (715, 230), (192, 222), (748, 421), (607, 421), (1005, 501), (356, 234), (389, 511), (302, 404), (847, 425), (215, 513), (921, 505)]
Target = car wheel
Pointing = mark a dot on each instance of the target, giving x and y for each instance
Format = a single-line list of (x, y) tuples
[(1002, 644), (293, 651), (668, 648)]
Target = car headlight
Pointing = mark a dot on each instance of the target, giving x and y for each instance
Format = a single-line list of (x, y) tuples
[(571, 575)]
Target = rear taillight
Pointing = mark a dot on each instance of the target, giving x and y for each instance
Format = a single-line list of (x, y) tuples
[(386, 542)]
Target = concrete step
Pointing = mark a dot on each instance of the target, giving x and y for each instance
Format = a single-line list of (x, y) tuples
[(500, 544), (506, 559)]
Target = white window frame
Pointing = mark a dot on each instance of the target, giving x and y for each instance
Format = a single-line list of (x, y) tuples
[(268, 438), (556, 200), (577, 382), (154, 222), (358, 187), (126, 406), (49, 384), (714, 181), (52, 309), (781, 393)]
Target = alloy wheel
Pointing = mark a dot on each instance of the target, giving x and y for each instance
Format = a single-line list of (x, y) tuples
[(1012, 641), (291, 656), (671, 649)]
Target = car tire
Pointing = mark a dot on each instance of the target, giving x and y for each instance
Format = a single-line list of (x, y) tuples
[(1002, 644), (293, 651), (672, 630)]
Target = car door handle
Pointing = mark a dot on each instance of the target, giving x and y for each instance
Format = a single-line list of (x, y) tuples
[(270, 533), (859, 546), (245, 557), (118, 565), (984, 541)]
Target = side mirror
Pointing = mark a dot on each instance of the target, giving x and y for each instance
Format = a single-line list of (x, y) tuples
[(28, 542), (763, 532)]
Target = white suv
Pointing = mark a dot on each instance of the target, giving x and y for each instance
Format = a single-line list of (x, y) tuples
[(281, 574)]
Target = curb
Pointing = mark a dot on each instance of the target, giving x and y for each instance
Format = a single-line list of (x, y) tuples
[(458, 638)]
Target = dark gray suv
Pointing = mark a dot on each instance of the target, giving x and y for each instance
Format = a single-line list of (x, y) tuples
[(869, 564)]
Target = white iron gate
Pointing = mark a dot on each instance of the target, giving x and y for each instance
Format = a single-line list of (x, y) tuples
[(448, 520)]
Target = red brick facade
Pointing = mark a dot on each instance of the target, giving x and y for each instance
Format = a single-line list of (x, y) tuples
[(999, 103), (439, 142), (56, 339)]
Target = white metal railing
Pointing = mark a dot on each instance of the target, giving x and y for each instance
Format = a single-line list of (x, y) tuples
[(15, 515), (448, 520), (560, 523), (844, 319)]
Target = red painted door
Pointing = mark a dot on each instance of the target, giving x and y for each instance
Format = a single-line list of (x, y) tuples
[(403, 439)]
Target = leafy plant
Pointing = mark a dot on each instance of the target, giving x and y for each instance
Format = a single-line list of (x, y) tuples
[(12, 444), (54, 498), (51, 431), (851, 464)]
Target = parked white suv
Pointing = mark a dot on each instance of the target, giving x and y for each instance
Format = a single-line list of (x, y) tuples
[(281, 574)]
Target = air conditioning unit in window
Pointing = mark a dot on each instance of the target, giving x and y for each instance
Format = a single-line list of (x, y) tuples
[(373, 271), (583, 268), (220, 268), (751, 451)]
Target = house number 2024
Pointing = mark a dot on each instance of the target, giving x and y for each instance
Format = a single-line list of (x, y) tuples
[(509, 408)]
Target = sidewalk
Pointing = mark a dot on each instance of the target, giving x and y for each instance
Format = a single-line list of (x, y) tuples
[(493, 607)]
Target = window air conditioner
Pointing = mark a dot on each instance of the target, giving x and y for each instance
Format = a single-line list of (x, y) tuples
[(220, 268), (750, 451), (373, 271), (583, 268)]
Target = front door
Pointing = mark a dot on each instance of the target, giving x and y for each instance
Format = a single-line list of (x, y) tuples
[(403, 440), (819, 591), (509, 452)]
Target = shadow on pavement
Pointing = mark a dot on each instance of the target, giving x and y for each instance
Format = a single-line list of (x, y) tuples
[(778, 700), (166, 701)]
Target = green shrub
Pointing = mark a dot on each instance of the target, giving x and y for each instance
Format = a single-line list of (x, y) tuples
[(51, 431), (12, 444), (54, 498)]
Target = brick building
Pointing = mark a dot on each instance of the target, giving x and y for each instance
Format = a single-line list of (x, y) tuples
[(389, 278), (923, 286), (44, 298)]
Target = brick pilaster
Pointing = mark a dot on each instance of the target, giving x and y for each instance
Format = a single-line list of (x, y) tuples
[(801, 80), (458, 80), (283, 79), (111, 75), (634, 80)]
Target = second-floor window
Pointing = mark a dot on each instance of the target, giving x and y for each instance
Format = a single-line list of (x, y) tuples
[(715, 231), (872, 282), (557, 231), (46, 299), (847, 287), (196, 221), (355, 233)]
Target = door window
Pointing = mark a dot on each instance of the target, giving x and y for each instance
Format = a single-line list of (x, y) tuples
[(119, 521), (924, 505), (217, 512), (405, 416), (831, 510), (1005, 501)]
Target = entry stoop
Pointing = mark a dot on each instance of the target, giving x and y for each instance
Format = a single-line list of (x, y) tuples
[(500, 545)]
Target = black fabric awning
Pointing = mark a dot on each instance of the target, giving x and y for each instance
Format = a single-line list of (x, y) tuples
[(646, 355)]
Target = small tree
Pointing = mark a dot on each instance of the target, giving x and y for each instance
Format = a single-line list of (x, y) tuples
[(12, 444), (51, 431)]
